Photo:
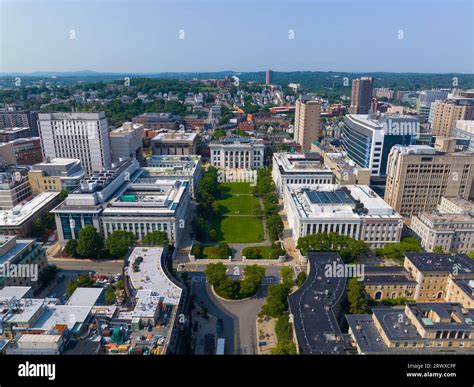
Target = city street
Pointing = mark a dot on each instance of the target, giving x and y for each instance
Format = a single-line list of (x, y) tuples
[(109, 267)]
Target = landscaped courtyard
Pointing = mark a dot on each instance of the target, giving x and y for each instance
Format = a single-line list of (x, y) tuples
[(237, 224)]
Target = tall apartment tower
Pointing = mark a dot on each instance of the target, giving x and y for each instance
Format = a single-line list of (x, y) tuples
[(268, 77), (82, 136), (307, 123), (361, 96), (458, 106), (419, 175)]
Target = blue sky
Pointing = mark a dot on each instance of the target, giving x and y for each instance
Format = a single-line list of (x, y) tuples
[(240, 35)]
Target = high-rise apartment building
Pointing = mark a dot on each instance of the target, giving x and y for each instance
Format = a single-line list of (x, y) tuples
[(427, 97), (458, 106), (268, 77), (307, 123), (82, 136), (419, 175), (361, 96)]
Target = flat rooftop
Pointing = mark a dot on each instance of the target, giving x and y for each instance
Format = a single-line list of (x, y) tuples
[(290, 163), (315, 323), (442, 262), (333, 201), (21, 213)]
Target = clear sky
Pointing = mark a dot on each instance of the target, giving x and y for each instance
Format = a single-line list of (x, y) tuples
[(240, 35)]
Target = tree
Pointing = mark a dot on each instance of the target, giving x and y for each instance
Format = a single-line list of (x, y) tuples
[(287, 276), (71, 248), (275, 227), (438, 249), (277, 301), (253, 276), (197, 250), (90, 242), (346, 246), (63, 195), (215, 273), (200, 226), (155, 238), (110, 295), (284, 333), (301, 278), (356, 296), (119, 242), (471, 254), (83, 281), (398, 250), (212, 234), (37, 228)]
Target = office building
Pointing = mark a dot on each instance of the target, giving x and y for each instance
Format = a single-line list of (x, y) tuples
[(56, 175), (427, 97), (174, 143), (388, 282), (18, 221), (10, 134), (308, 168), (419, 175), (345, 170), (315, 309), (307, 123), (22, 261), (127, 142), (450, 226), (121, 199), (438, 274), (175, 167), (464, 129), (153, 122), (361, 95), (237, 152), (352, 210), (368, 139), (383, 92), (458, 106), (23, 151), (83, 136), (415, 328), (14, 187), (10, 118)]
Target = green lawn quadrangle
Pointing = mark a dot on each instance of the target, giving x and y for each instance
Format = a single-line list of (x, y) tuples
[(239, 205), (236, 188), (238, 229)]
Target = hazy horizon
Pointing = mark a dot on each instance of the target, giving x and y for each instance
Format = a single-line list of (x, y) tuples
[(184, 36)]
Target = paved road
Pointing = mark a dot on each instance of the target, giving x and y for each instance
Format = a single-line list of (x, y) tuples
[(246, 313), (110, 267), (199, 290)]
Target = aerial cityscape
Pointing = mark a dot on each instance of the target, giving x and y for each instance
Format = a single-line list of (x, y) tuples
[(265, 207)]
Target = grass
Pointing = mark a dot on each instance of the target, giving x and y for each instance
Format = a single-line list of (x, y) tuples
[(239, 205), (264, 251), (236, 188), (238, 229), (209, 252)]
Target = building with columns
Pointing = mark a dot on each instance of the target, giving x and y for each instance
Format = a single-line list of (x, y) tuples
[(237, 152), (352, 210)]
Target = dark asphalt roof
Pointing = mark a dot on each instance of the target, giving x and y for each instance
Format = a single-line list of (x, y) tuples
[(442, 262), (314, 315), (388, 279)]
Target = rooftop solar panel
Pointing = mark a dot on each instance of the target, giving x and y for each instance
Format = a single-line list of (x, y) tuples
[(336, 197)]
